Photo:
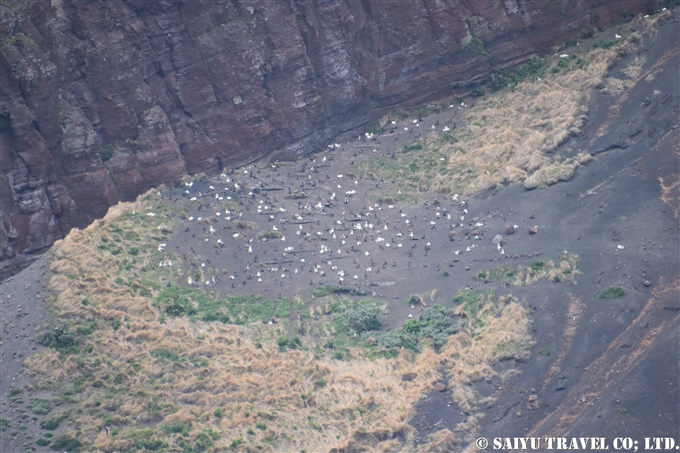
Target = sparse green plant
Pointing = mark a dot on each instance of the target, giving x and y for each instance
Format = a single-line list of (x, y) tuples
[(40, 406), (146, 439), (60, 338), (415, 146), (286, 343), (116, 323), (177, 428), (544, 352), (243, 225), (66, 443), (271, 234), (613, 292)]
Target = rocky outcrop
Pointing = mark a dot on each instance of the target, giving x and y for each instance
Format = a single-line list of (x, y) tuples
[(104, 99)]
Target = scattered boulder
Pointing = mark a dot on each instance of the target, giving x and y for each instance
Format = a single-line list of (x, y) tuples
[(509, 229), (498, 239), (439, 387), (409, 376), (534, 403), (452, 235), (533, 230), (474, 233)]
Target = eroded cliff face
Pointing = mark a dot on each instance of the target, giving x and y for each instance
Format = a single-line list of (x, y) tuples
[(104, 99)]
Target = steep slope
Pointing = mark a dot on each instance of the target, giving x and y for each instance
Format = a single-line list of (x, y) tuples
[(103, 100)]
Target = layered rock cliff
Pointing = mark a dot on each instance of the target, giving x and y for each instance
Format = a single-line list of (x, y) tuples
[(104, 99)]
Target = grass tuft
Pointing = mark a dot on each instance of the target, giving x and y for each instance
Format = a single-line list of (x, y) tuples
[(612, 293)]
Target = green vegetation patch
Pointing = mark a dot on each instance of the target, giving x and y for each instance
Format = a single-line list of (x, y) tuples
[(146, 439), (40, 406), (177, 428), (232, 206), (613, 292), (66, 443), (474, 307), (234, 308), (62, 337), (271, 234), (286, 343), (435, 325), (562, 270), (51, 423), (322, 291), (535, 67), (497, 274), (361, 318), (283, 308)]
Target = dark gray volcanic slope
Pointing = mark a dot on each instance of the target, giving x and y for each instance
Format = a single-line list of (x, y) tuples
[(620, 368), (613, 366)]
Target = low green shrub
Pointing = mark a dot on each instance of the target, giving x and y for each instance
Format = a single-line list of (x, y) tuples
[(67, 443), (40, 406), (435, 324), (612, 293)]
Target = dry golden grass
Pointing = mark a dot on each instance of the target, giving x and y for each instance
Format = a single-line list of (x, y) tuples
[(510, 136), (670, 192), (557, 171)]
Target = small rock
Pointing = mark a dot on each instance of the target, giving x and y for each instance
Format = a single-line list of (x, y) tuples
[(474, 233), (409, 376), (647, 283), (498, 239), (519, 414), (533, 230), (534, 403), (509, 229), (439, 387), (452, 235)]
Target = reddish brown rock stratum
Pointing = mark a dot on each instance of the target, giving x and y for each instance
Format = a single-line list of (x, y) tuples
[(104, 99)]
